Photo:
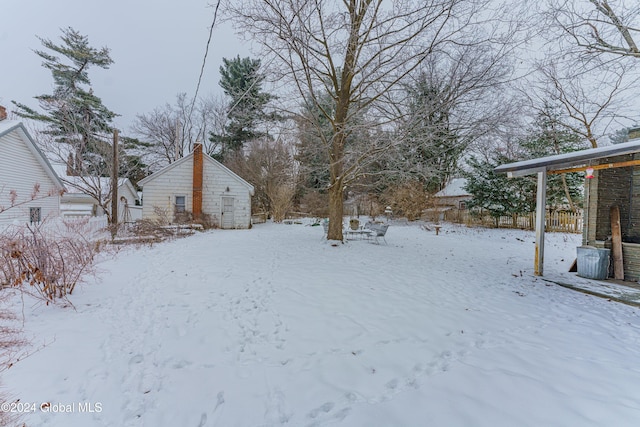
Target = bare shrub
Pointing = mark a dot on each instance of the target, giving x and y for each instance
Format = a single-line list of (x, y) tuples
[(162, 216), (154, 229), (281, 198), (11, 344), (159, 228), (42, 262), (184, 217), (207, 221), (409, 199), (316, 203)]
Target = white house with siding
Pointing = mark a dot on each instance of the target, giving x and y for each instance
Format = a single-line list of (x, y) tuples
[(198, 184), (27, 180)]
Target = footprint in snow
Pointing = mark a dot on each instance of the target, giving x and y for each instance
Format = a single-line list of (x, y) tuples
[(351, 397), (324, 408), (220, 401), (138, 358)]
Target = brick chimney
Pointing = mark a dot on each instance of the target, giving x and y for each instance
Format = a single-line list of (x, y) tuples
[(3, 113), (197, 180)]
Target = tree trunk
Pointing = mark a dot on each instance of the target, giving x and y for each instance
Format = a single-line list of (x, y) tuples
[(336, 207), (336, 187), (567, 193), (591, 138)]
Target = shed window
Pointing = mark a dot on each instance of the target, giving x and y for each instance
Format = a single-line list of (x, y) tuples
[(181, 204), (35, 215), (462, 205)]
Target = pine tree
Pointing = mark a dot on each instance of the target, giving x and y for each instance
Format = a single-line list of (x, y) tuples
[(548, 137), (495, 192), (314, 134), (431, 149), (73, 113), (500, 195), (242, 82), (620, 136)]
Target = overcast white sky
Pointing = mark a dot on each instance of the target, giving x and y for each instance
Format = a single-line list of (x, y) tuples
[(157, 47)]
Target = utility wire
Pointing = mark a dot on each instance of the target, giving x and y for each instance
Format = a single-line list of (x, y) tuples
[(204, 60)]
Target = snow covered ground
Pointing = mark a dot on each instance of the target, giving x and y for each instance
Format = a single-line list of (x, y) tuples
[(273, 326)]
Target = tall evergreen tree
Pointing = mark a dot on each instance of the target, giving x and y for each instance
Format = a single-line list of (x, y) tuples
[(431, 148), (314, 132), (500, 195), (242, 82), (73, 113), (546, 138), (620, 136), (495, 192)]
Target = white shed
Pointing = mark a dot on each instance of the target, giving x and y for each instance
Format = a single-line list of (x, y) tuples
[(198, 184), (77, 201), (29, 187)]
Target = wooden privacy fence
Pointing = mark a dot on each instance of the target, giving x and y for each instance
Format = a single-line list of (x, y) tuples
[(568, 222)]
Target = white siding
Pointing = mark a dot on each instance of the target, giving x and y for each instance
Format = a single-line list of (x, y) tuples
[(135, 212), (160, 192), (126, 192), (20, 171), (215, 184)]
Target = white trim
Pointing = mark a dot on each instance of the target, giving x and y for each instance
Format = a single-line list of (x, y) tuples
[(175, 203), (233, 222)]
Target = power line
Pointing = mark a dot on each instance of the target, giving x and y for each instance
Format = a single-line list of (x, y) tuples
[(204, 60)]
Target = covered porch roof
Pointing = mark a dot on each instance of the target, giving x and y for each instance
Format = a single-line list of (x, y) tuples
[(567, 160), (561, 163)]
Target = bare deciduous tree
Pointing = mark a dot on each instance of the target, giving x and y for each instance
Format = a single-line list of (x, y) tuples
[(356, 51), (453, 101), (600, 26), (591, 98), (171, 130), (270, 167), (93, 179)]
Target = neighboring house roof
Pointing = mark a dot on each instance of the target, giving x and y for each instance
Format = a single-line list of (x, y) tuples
[(7, 126), (455, 188), (189, 158), (76, 183), (567, 160), (81, 185)]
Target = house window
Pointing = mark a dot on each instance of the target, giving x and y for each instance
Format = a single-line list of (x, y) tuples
[(35, 215), (181, 204), (462, 206)]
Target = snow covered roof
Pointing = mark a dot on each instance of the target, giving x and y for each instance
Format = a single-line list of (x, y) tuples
[(76, 184), (562, 161), (455, 188)]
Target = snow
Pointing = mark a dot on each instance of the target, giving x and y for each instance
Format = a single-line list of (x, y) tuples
[(455, 188), (274, 326)]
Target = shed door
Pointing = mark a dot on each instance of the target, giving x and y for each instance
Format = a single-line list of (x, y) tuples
[(227, 212)]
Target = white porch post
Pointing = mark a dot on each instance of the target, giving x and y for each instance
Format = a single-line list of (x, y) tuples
[(541, 204)]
